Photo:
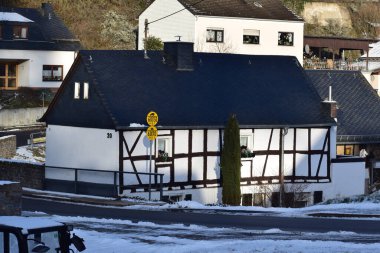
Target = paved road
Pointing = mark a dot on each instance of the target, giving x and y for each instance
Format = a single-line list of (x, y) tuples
[(259, 221)]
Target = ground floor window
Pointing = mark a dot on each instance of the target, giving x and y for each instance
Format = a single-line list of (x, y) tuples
[(8, 76), (348, 149), (52, 73), (163, 148)]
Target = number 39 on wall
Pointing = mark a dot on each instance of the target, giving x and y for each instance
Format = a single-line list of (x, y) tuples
[(109, 135)]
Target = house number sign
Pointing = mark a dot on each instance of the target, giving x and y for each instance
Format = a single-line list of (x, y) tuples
[(152, 119)]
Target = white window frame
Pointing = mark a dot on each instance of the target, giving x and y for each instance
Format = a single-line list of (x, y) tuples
[(76, 90), (168, 145), (215, 31), (86, 87), (248, 135), (251, 32)]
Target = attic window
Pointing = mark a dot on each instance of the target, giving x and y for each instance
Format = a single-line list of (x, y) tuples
[(85, 90), (76, 90), (215, 35), (52, 73), (20, 32)]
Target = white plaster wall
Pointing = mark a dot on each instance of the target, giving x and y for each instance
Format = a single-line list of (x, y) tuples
[(85, 148), (179, 24), (30, 71), (233, 36), (348, 179)]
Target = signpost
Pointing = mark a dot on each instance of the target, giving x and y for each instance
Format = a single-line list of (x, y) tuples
[(151, 134)]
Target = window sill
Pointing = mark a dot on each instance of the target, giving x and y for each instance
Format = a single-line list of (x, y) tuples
[(246, 158), (221, 42), (286, 45), (163, 163)]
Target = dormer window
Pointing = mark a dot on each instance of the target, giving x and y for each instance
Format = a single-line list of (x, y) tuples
[(20, 32)]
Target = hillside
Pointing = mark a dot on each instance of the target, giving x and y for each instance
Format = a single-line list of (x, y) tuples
[(100, 24), (111, 24)]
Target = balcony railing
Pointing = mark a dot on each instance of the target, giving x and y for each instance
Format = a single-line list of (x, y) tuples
[(336, 65)]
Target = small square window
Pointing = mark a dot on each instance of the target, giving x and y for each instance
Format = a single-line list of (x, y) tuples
[(76, 90), (251, 36), (246, 145), (52, 73), (164, 149), (215, 35), (285, 38), (20, 32)]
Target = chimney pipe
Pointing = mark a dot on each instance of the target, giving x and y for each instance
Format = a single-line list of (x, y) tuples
[(330, 105)]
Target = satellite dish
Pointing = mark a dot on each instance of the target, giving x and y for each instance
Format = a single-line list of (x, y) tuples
[(307, 49)]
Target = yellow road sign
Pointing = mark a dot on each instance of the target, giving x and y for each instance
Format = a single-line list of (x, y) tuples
[(152, 118), (151, 133)]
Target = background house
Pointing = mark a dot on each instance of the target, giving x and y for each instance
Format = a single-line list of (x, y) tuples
[(36, 49), (226, 26), (358, 114), (95, 131)]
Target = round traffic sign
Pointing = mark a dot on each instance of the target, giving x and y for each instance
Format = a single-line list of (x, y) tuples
[(152, 118), (151, 133)]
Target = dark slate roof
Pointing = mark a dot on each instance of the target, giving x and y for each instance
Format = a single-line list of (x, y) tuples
[(359, 105), (261, 90), (259, 9), (47, 32)]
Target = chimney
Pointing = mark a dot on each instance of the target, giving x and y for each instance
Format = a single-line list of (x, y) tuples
[(329, 105), (47, 10), (180, 54)]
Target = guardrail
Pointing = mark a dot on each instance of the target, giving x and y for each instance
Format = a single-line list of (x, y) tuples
[(38, 137), (336, 65), (72, 174)]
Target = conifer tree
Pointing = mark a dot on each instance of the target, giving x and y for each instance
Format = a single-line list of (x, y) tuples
[(231, 163)]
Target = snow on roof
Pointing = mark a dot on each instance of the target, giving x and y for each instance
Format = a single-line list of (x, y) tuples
[(14, 17), (374, 51), (27, 223), (7, 182)]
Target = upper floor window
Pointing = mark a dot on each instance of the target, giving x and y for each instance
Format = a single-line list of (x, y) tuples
[(76, 90), (8, 76), (164, 149), (20, 32), (285, 38), (215, 35), (52, 73), (246, 145), (251, 36)]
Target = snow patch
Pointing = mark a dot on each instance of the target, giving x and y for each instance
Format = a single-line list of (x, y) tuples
[(137, 125)]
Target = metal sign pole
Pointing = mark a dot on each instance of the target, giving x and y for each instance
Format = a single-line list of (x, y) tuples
[(150, 170)]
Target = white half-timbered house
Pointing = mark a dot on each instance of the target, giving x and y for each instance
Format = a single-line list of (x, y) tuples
[(257, 27), (96, 141)]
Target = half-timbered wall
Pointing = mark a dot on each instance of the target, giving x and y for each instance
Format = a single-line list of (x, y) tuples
[(193, 161), (193, 165)]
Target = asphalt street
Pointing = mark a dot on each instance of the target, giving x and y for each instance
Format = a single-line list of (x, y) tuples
[(257, 221)]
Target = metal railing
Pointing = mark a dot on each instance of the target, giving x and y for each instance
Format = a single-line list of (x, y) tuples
[(115, 174), (39, 137), (336, 65)]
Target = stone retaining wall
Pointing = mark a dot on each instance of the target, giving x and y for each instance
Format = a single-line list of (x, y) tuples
[(30, 175), (8, 146), (10, 198)]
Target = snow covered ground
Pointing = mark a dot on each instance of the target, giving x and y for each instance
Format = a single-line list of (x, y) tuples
[(27, 153), (119, 236)]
